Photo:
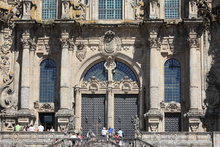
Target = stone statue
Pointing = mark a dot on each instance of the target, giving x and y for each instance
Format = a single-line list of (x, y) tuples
[(79, 9), (138, 9), (137, 127)]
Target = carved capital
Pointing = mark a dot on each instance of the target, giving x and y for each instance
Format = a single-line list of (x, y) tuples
[(194, 42), (64, 43), (155, 43)]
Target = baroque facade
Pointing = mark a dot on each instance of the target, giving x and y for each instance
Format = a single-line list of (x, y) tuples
[(150, 65)]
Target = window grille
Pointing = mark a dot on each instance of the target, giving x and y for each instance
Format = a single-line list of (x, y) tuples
[(121, 71), (172, 9), (97, 70), (48, 81), (172, 122), (172, 80), (110, 9), (49, 9)]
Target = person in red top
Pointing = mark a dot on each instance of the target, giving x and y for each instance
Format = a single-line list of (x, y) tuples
[(116, 136)]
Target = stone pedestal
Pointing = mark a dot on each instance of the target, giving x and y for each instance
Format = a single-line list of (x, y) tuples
[(65, 120), (154, 117), (194, 117), (25, 117)]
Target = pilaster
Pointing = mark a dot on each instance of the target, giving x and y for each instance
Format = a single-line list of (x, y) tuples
[(154, 114), (78, 108)]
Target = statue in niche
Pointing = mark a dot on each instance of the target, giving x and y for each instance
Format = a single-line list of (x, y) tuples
[(79, 9), (138, 9)]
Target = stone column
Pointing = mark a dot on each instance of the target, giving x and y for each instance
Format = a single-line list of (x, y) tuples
[(78, 108), (64, 114), (154, 112), (25, 114), (194, 113)]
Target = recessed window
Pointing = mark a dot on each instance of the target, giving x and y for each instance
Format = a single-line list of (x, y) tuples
[(172, 122), (49, 9), (172, 80), (47, 81), (110, 9), (172, 9)]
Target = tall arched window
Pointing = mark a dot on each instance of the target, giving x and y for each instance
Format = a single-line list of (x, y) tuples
[(172, 80), (172, 9), (48, 76), (110, 9), (49, 8)]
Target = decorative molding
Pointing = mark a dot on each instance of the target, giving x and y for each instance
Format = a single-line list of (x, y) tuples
[(155, 43), (125, 85), (93, 85), (167, 45), (194, 43), (171, 106), (138, 9), (44, 107)]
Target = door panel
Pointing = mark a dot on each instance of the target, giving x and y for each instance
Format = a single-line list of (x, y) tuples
[(93, 113), (125, 111)]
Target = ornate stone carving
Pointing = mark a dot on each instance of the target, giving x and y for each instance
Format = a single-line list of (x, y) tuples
[(171, 106), (78, 9), (110, 63), (154, 8), (9, 13), (8, 124), (93, 84), (194, 43), (155, 43), (81, 51), (167, 45), (138, 9), (125, 85), (110, 44), (137, 127), (193, 9)]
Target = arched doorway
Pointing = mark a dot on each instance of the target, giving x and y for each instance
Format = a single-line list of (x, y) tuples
[(109, 98)]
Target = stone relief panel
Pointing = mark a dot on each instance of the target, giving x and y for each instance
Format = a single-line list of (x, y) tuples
[(44, 107), (7, 99), (93, 85), (77, 10), (125, 85), (171, 106)]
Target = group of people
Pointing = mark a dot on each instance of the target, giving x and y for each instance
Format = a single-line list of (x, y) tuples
[(31, 128), (112, 133)]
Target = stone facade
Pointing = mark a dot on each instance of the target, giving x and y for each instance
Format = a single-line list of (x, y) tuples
[(77, 39)]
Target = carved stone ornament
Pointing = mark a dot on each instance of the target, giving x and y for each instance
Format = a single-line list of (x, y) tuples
[(44, 107), (171, 106), (110, 44), (125, 85), (81, 51), (155, 43), (167, 45), (8, 124), (93, 84), (193, 43), (78, 9), (110, 63)]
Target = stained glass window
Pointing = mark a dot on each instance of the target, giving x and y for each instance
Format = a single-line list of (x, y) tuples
[(172, 80), (49, 9), (48, 76), (171, 9), (97, 70), (123, 70), (172, 122), (110, 9)]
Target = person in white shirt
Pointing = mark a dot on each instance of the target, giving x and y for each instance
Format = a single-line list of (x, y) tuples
[(31, 129), (120, 133), (40, 128), (104, 132)]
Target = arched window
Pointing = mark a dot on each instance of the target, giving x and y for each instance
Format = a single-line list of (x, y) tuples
[(110, 9), (48, 76), (172, 9), (98, 71), (172, 80), (123, 70), (49, 8)]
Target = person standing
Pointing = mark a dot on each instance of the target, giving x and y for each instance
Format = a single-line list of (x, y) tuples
[(40, 128), (18, 127), (104, 132), (120, 133), (31, 129)]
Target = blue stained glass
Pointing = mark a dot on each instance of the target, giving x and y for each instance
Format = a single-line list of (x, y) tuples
[(172, 80), (97, 70), (48, 75), (123, 70), (49, 8), (171, 9), (110, 9)]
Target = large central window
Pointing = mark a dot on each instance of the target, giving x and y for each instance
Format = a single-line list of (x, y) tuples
[(49, 9), (110, 9)]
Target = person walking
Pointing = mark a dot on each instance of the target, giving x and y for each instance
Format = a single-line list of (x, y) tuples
[(18, 127)]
